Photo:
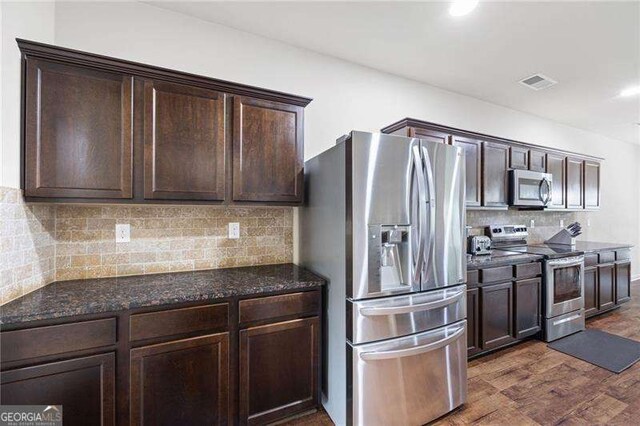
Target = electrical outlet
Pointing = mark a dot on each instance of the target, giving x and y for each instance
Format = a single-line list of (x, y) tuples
[(588, 222), (234, 230), (123, 233), (532, 224), (562, 223)]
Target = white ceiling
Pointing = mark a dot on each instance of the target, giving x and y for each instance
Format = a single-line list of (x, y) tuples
[(591, 48)]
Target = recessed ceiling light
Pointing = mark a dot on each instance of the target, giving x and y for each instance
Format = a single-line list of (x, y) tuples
[(462, 7), (630, 91)]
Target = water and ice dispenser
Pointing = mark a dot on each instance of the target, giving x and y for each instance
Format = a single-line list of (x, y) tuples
[(389, 257)]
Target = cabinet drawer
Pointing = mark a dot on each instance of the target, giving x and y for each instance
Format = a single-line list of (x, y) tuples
[(179, 321), (607, 256), (472, 278), (590, 259), (501, 273), (527, 270), (57, 339), (623, 254), (265, 308)]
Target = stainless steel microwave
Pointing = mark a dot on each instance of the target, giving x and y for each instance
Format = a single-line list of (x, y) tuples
[(529, 189)]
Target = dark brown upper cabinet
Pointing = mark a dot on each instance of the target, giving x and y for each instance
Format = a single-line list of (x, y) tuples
[(495, 162), (78, 132), (556, 167), (430, 135), (267, 151), (575, 182), (576, 177), (518, 158), (591, 185), (100, 129), (184, 142), (537, 161), (472, 149)]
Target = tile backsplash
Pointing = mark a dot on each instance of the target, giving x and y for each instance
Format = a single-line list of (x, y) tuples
[(27, 245), (42, 243), (547, 223)]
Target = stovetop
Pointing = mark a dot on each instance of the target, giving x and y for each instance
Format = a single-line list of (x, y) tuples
[(549, 251)]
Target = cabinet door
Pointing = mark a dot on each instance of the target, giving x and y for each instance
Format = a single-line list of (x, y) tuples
[(472, 149), (495, 161), (430, 135), (623, 282), (85, 387), (278, 370), (575, 175), (184, 142), (473, 321), (518, 158), (497, 315), (77, 132), (591, 185), (181, 382), (528, 304), (267, 151), (590, 291), (537, 161), (606, 286), (556, 167)]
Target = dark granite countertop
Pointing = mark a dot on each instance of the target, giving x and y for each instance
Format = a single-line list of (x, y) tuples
[(100, 295), (594, 247), (500, 258)]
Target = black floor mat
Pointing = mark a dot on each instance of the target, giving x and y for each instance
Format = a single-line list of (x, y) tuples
[(605, 350)]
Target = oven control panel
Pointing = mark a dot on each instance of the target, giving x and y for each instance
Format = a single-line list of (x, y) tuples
[(507, 232)]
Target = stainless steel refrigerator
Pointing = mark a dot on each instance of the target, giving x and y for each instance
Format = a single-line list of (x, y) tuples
[(384, 222)]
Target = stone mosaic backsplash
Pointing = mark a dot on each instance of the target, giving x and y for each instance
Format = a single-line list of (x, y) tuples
[(27, 245), (42, 243), (547, 223)]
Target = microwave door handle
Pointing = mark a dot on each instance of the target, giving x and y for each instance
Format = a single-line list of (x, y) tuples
[(401, 353), (422, 225), (544, 198), (397, 310), (549, 192), (431, 201)]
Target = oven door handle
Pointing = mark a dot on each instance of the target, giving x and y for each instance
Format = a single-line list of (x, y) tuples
[(401, 353), (397, 310)]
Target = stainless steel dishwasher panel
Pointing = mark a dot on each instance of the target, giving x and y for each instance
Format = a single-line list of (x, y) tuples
[(398, 316), (411, 380)]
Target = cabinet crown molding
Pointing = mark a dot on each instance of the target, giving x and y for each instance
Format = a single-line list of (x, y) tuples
[(76, 57)]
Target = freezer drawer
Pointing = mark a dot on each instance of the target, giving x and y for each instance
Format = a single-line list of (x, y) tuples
[(391, 317), (410, 380)]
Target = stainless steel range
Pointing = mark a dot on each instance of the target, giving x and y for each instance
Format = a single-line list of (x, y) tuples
[(384, 223), (563, 279)]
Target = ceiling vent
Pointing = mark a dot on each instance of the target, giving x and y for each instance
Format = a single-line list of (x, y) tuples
[(538, 82)]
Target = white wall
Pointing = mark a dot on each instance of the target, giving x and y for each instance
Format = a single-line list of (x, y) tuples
[(346, 96), (29, 20)]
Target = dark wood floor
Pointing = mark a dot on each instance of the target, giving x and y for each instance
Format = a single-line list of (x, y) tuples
[(530, 384)]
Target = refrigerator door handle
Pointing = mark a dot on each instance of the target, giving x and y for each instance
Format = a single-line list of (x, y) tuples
[(397, 310), (422, 219), (417, 350), (431, 201)]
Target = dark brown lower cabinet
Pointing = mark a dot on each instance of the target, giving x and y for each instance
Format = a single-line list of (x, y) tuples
[(527, 301), (278, 370), (606, 286), (473, 321), (496, 315), (181, 382), (623, 282), (591, 291), (85, 387)]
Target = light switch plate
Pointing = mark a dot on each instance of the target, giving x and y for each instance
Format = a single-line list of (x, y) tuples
[(234, 230), (562, 223), (532, 224), (123, 233)]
